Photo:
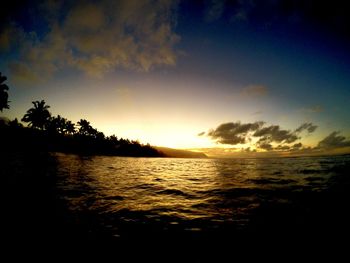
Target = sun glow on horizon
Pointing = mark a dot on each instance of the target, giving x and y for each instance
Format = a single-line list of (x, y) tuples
[(179, 137)]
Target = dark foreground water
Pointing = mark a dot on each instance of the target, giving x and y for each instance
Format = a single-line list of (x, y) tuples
[(206, 208)]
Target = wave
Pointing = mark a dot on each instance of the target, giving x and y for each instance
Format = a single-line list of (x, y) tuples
[(174, 192), (202, 194)]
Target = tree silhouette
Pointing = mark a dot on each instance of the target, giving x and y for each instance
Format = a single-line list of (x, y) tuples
[(15, 124), (85, 127), (69, 127), (3, 93), (38, 116), (56, 125), (52, 135), (60, 125), (113, 140)]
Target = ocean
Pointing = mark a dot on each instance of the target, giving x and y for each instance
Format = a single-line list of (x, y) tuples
[(207, 208), (205, 197)]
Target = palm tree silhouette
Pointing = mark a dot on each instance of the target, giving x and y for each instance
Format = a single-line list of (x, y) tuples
[(3, 93), (38, 116), (69, 127), (58, 124), (85, 127)]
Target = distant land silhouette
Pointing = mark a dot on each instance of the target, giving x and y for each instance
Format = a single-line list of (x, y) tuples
[(176, 153)]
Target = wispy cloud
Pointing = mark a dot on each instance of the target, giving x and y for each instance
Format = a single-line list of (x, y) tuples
[(201, 134), (254, 91), (214, 10), (313, 109), (257, 112), (95, 37), (334, 140), (309, 127), (22, 73)]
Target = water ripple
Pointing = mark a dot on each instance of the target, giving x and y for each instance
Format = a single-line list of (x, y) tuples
[(192, 194)]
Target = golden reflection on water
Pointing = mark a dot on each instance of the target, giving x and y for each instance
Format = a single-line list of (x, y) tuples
[(183, 188), (170, 186)]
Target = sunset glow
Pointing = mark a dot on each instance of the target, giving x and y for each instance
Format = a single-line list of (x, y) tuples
[(175, 130), (184, 70)]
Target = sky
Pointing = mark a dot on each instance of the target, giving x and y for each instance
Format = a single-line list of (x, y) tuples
[(229, 78)]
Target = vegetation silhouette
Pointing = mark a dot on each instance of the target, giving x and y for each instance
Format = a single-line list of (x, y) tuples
[(3, 93), (56, 133), (33, 212), (38, 116)]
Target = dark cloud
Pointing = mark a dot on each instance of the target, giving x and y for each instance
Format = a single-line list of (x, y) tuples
[(334, 140), (297, 145), (233, 132), (274, 133), (201, 134), (309, 127), (282, 148), (266, 146), (265, 137)]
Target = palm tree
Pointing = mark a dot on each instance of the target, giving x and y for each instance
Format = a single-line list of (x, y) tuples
[(70, 127), (55, 124), (60, 125), (38, 116), (85, 127), (3, 93)]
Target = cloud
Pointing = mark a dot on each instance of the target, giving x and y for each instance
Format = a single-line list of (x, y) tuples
[(309, 127), (248, 150), (260, 135), (239, 16), (214, 10), (313, 109), (287, 148), (266, 146), (96, 37), (242, 10), (334, 140), (22, 73), (282, 148), (201, 134), (274, 133), (239, 133), (297, 145), (254, 91), (325, 16), (233, 132), (272, 139), (5, 40), (11, 36)]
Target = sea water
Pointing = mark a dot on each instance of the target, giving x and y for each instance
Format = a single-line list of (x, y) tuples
[(131, 197)]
